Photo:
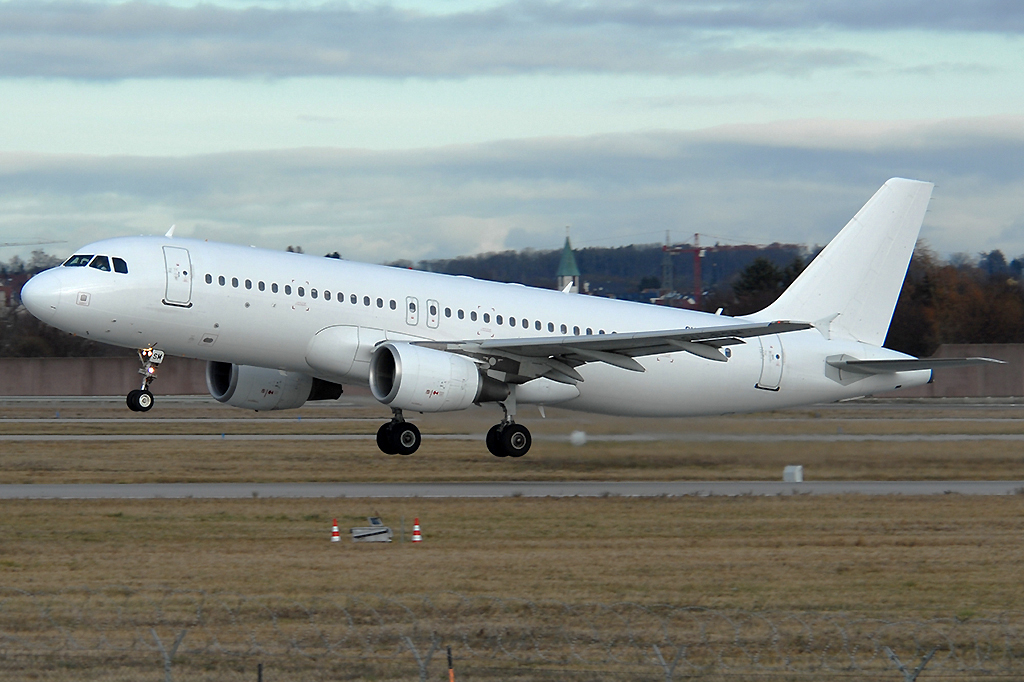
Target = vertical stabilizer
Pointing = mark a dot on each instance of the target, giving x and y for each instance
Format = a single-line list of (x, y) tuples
[(856, 280)]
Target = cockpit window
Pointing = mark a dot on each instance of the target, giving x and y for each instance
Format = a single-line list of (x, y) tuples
[(100, 263), (78, 261), (120, 265)]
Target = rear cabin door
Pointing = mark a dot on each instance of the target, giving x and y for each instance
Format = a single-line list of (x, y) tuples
[(179, 277), (771, 362)]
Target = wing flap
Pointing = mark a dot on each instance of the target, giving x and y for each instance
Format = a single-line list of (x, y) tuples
[(522, 359)]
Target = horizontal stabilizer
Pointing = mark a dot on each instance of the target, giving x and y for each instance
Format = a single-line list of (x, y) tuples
[(908, 365)]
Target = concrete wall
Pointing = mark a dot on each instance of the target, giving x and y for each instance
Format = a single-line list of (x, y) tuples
[(180, 376), (97, 376)]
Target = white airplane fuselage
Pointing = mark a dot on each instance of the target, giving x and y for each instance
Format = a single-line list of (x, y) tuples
[(251, 306)]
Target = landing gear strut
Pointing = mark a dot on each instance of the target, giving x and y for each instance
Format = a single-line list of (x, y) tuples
[(506, 438), (141, 400), (398, 437)]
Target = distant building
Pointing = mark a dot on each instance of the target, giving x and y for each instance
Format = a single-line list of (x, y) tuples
[(568, 272)]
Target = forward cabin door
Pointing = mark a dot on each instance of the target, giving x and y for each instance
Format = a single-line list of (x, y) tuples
[(179, 277), (771, 362)]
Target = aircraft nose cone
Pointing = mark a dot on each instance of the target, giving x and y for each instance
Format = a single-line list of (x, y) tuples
[(41, 295)]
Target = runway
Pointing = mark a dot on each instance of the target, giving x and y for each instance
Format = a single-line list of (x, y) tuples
[(560, 438), (112, 491)]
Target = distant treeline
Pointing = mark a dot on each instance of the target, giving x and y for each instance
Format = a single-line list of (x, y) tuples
[(960, 300), (622, 272)]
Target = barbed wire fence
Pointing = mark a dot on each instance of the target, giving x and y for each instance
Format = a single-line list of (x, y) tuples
[(170, 634)]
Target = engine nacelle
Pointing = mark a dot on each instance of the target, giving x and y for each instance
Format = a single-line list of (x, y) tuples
[(259, 388), (426, 380)]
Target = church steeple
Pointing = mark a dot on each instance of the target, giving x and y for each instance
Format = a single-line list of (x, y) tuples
[(568, 272)]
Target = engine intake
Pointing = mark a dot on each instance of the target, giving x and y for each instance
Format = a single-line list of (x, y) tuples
[(259, 388), (422, 379)]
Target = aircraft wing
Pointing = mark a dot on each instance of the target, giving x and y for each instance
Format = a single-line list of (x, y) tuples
[(522, 359), (909, 365)]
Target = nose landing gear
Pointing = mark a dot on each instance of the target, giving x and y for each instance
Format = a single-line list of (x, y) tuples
[(141, 400)]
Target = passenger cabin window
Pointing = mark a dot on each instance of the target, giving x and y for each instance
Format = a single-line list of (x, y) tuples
[(122, 267), (462, 315), (366, 300), (472, 315), (393, 304), (551, 326), (248, 284), (536, 325), (209, 279), (353, 299), (288, 289), (497, 318), (100, 263), (327, 295), (221, 280), (564, 329), (313, 293), (262, 286), (487, 317), (273, 287), (79, 261), (380, 302), (448, 312), (234, 282), (302, 292)]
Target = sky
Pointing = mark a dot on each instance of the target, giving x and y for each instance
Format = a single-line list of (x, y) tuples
[(415, 130)]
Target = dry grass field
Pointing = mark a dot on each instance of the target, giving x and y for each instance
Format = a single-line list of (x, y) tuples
[(907, 557), (897, 558)]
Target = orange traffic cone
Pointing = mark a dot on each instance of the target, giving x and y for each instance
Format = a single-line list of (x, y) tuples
[(335, 536), (416, 537)]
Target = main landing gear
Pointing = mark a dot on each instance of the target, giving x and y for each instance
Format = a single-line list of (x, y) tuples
[(506, 438), (398, 437), (141, 400)]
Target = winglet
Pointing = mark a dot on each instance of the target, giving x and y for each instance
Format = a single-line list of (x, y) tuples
[(170, 232)]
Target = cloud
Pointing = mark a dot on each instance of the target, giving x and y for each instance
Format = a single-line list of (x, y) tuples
[(756, 184), (102, 41)]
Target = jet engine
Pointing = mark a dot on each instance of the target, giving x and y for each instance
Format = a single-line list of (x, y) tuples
[(421, 379), (259, 388)]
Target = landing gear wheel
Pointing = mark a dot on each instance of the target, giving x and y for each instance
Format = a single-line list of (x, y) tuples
[(405, 438), (493, 441), (145, 401), (515, 440), (139, 401), (384, 441)]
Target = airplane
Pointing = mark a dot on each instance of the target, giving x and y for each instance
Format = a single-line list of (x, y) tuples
[(278, 329)]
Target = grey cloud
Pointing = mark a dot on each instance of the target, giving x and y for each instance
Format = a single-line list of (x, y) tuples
[(142, 40), (381, 206)]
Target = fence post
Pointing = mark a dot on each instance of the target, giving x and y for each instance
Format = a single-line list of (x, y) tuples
[(423, 662), (669, 669), (909, 675), (168, 657)]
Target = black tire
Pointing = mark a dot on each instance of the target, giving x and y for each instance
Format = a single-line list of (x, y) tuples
[(132, 401), (384, 441), (405, 438), (144, 400), (493, 441), (516, 440)]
